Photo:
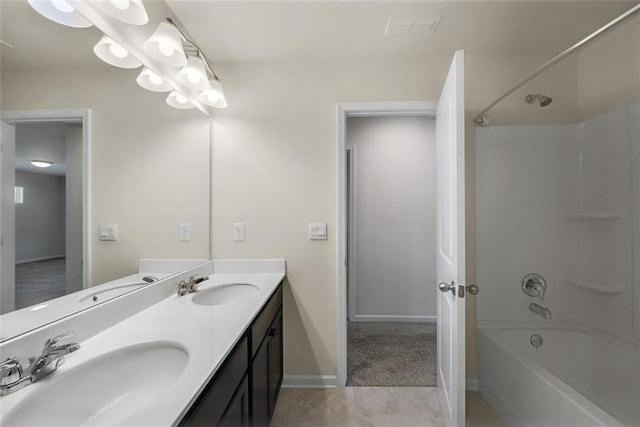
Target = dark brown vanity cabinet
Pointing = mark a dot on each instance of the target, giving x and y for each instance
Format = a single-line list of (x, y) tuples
[(244, 391), (266, 374)]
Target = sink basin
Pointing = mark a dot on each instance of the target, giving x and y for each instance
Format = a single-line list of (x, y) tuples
[(225, 294), (105, 390), (110, 292)]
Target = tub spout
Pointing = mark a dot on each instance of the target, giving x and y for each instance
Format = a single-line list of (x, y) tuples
[(540, 310)]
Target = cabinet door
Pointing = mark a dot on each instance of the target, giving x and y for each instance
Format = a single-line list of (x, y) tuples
[(237, 414), (260, 386), (275, 361)]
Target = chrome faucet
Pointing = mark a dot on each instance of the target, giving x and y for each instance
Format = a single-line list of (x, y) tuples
[(12, 375), (540, 310), (534, 285), (191, 286)]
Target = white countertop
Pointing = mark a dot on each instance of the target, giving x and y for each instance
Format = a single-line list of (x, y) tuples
[(207, 333)]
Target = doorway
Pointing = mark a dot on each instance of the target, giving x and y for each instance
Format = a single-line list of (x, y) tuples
[(45, 199), (387, 227), (391, 335)]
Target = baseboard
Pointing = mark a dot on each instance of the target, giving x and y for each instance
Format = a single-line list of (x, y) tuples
[(309, 381), (472, 384), (393, 318), (45, 258)]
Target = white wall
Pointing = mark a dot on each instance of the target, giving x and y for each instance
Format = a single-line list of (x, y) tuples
[(40, 223), (274, 168), (150, 162), (74, 241), (395, 217)]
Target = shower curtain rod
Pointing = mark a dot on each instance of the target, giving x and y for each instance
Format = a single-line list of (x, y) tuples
[(480, 119)]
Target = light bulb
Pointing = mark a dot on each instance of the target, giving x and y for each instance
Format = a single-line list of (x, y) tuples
[(155, 79), (213, 96), (165, 49), (121, 4), (193, 78), (117, 50), (181, 99), (62, 6)]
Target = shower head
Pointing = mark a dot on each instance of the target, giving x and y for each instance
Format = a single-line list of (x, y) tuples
[(542, 99)]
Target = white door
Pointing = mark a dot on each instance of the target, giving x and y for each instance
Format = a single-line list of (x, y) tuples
[(7, 217), (450, 240)]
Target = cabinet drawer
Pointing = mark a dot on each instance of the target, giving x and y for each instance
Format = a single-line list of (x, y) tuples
[(213, 401), (262, 323)]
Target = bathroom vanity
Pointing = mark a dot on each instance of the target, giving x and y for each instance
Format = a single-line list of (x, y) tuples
[(245, 389), (152, 357)]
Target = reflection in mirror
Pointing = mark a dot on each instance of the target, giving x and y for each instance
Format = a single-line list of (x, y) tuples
[(48, 211), (122, 162)]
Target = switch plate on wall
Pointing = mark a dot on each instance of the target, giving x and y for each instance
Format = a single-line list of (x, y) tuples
[(108, 232), (185, 232), (238, 232), (318, 231)]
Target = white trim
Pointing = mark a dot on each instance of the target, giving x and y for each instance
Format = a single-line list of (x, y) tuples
[(309, 381), (44, 258), (394, 318), (635, 223), (344, 109), (68, 115), (472, 384), (352, 276)]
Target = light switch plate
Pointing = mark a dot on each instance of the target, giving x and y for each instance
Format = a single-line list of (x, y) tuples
[(318, 231), (108, 232)]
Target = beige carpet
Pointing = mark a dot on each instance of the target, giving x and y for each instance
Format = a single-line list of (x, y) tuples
[(391, 354)]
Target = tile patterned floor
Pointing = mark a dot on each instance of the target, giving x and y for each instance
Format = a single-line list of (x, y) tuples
[(372, 406)]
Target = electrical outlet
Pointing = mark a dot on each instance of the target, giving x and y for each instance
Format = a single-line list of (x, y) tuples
[(238, 232), (185, 232)]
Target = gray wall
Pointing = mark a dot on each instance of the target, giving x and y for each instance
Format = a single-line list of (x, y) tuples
[(74, 208), (40, 222), (395, 217)]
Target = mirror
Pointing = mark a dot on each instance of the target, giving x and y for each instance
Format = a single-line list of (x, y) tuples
[(130, 178)]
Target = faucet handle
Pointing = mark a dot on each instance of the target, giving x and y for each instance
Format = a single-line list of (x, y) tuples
[(52, 342), (10, 370)]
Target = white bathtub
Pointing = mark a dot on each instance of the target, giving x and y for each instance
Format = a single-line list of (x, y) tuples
[(578, 377)]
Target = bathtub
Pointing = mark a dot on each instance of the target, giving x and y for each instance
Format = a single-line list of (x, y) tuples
[(579, 376)]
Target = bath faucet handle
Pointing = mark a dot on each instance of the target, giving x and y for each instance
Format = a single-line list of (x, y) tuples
[(52, 342), (534, 285), (10, 370)]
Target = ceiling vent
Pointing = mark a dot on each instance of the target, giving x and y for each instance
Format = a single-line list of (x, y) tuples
[(411, 25)]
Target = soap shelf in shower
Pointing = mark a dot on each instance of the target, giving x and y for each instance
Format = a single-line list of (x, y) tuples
[(593, 216), (590, 285)]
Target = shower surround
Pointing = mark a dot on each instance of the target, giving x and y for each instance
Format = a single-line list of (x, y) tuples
[(561, 201)]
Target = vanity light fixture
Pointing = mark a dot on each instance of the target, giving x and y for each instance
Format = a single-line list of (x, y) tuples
[(165, 45), (41, 163), (114, 54), (199, 70), (179, 101), (194, 74), (151, 81), (127, 11), (60, 11), (214, 96)]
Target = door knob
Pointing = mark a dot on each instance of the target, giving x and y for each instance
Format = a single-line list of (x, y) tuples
[(446, 287), (473, 289)]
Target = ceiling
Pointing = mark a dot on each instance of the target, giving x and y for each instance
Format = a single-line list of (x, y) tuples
[(38, 42), (41, 141), (243, 31), (240, 31)]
